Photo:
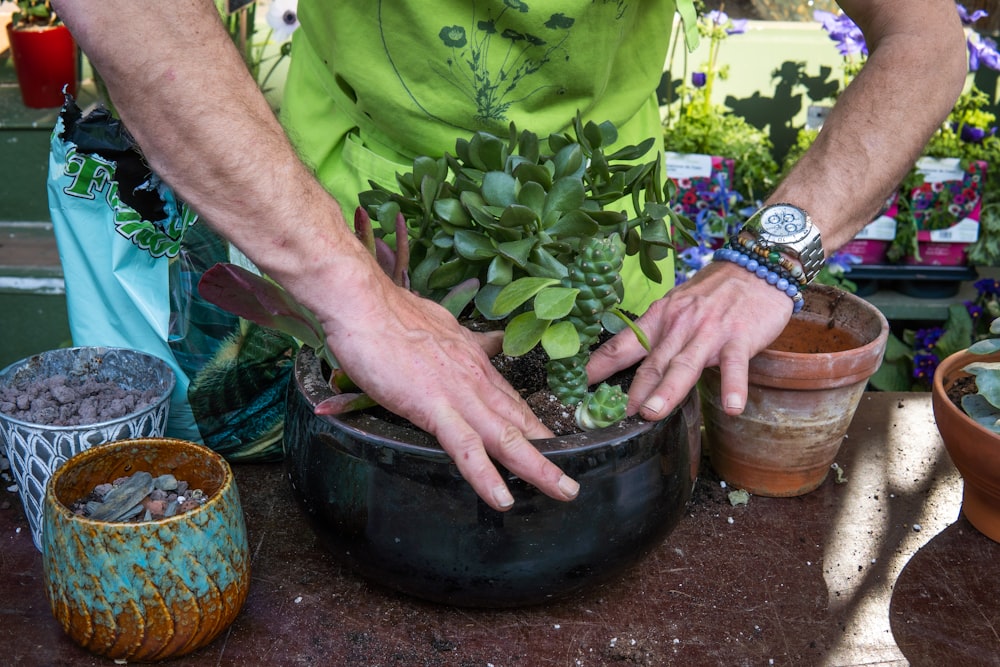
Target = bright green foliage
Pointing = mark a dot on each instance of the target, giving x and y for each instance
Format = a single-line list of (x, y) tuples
[(33, 13), (542, 226), (605, 406)]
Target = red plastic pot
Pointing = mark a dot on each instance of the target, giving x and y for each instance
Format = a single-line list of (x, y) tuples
[(45, 59)]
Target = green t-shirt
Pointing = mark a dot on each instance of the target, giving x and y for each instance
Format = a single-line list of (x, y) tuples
[(373, 84)]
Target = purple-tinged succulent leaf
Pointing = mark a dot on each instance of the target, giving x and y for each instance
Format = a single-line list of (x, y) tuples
[(343, 403), (460, 296), (363, 229), (260, 300)]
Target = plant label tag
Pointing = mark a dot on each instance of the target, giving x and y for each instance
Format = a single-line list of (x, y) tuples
[(882, 228), (688, 165), (940, 170), (966, 231)]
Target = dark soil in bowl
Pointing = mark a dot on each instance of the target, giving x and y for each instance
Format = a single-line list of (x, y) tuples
[(528, 376)]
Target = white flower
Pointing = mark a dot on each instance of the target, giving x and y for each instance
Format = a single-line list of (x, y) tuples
[(282, 16)]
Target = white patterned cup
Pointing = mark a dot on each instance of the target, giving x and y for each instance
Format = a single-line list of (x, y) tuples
[(36, 450)]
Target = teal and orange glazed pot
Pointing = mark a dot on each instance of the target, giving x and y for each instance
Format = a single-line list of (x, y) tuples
[(145, 591)]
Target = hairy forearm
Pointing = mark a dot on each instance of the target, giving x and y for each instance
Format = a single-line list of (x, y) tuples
[(882, 121), (184, 93)]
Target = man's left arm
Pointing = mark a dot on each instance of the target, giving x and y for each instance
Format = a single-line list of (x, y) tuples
[(881, 122)]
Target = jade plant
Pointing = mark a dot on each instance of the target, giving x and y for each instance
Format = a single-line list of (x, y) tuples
[(527, 232)]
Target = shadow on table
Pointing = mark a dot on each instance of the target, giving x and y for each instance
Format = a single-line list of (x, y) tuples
[(944, 607)]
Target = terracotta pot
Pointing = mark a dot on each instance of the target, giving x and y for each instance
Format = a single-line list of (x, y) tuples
[(973, 449), (149, 590), (390, 504), (45, 59), (803, 392)]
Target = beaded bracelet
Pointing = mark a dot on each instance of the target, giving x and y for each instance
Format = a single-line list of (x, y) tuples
[(764, 272), (772, 257)]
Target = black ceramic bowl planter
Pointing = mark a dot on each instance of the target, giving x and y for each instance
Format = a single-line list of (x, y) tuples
[(390, 504)]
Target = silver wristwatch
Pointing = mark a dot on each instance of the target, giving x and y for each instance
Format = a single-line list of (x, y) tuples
[(788, 230)]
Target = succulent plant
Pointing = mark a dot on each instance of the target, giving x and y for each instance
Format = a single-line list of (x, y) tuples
[(517, 230), (541, 228), (984, 406)]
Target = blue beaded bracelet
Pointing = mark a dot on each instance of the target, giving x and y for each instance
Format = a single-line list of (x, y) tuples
[(762, 271)]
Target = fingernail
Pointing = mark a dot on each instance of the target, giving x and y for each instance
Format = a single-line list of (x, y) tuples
[(569, 486), (734, 402), (654, 405), (502, 497)]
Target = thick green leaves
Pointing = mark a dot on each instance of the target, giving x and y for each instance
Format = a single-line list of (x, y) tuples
[(522, 334), (553, 303), (519, 292), (560, 340), (981, 411), (499, 188), (987, 380)]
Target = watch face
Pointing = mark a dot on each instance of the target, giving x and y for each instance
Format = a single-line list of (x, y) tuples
[(784, 223)]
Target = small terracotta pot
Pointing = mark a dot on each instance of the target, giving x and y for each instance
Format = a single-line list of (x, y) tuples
[(803, 392), (973, 449), (45, 60), (150, 590)]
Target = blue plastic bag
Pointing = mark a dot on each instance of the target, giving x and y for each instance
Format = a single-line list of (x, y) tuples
[(132, 255)]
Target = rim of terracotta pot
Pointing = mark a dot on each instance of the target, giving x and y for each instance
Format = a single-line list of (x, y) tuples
[(949, 370), (380, 431), (813, 370)]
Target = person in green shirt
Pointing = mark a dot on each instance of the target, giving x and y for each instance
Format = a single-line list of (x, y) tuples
[(374, 83)]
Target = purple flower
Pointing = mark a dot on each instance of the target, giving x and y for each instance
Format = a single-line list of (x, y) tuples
[(715, 17), (841, 262), (983, 52), (973, 135), (987, 286), (925, 339), (969, 19), (924, 365), (845, 32), (699, 79), (720, 19), (738, 27)]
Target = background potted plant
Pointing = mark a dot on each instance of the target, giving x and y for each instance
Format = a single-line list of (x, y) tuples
[(944, 214), (45, 54), (966, 402), (720, 164), (528, 234), (912, 357)]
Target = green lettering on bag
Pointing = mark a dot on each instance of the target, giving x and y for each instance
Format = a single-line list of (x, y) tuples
[(90, 174)]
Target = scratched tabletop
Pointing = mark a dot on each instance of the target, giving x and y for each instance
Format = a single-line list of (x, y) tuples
[(879, 569)]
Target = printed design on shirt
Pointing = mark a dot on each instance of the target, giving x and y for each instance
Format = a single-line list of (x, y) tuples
[(491, 63)]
